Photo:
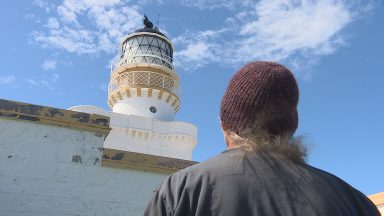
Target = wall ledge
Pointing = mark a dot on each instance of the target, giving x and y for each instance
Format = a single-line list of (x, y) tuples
[(145, 162), (54, 116)]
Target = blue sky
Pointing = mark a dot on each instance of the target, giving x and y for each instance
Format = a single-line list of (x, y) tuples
[(57, 53)]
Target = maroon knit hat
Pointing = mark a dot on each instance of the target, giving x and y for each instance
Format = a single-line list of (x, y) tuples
[(261, 95)]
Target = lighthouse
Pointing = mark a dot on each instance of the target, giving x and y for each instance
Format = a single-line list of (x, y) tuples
[(144, 96), (143, 79)]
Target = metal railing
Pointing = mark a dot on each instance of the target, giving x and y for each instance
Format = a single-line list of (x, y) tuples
[(126, 59), (144, 78)]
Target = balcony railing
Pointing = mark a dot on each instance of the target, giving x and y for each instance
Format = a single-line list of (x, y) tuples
[(144, 78), (148, 57)]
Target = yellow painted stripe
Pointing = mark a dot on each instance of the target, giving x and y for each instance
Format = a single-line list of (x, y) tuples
[(174, 102), (119, 95), (160, 95), (168, 98), (128, 92), (113, 98)]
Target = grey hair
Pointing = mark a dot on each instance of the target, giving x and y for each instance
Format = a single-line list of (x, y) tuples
[(288, 145)]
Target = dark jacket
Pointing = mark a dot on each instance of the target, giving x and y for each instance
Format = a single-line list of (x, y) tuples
[(236, 183)]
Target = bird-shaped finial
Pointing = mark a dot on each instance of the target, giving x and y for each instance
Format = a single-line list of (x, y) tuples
[(147, 23)]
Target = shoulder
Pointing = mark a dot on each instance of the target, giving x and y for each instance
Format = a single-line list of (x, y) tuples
[(188, 187), (345, 193)]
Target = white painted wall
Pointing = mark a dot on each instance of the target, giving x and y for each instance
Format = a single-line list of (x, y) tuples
[(150, 136), (147, 135), (41, 174), (140, 106)]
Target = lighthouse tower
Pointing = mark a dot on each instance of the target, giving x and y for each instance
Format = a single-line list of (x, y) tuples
[(143, 95), (143, 80)]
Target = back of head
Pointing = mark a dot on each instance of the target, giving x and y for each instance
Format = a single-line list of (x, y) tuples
[(261, 101)]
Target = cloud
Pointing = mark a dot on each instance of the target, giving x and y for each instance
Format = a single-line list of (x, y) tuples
[(7, 80), (295, 32), (53, 23), (32, 17), (198, 50), (33, 82), (103, 87), (210, 4), (88, 27), (47, 82), (49, 64), (44, 5), (201, 4), (285, 27), (39, 83), (55, 77)]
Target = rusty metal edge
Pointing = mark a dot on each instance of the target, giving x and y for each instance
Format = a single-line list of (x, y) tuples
[(54, 116), (144, 162)]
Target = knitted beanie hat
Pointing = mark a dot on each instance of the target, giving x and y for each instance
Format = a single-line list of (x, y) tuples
[(261, 96)]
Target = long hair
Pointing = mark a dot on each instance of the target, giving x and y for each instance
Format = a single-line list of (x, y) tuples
[(260, 141)]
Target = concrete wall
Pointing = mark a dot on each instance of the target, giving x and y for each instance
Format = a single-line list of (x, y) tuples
[(51, 170)]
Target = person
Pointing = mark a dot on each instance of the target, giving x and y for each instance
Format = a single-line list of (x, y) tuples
[(263, 171)]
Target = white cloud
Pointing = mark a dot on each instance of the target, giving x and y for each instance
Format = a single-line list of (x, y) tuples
[(53, 23), (295, 32), (195, 53), (7, 80), (103, 87), (202, 4), (88, 26), (32, 17), (55, 77), (44, 5), (285, 27), (33, 82), (198, 49), (47, 82), (49, 64), (39, 83), (210, 4)]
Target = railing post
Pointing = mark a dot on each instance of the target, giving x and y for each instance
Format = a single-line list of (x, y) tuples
[(162, 77)]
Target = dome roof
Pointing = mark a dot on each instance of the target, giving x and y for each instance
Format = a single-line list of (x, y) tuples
[(151, 30)]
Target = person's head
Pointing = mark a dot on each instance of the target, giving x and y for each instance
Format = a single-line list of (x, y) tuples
[(259, 107)]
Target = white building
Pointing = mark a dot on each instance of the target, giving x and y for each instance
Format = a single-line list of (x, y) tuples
[(88, 161)]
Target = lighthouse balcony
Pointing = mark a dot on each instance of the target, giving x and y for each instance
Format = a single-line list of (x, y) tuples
[(148, 57), (149, 79)]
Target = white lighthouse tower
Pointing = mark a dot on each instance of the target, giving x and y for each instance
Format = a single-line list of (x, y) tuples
[(143, 94), (143, 80)]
